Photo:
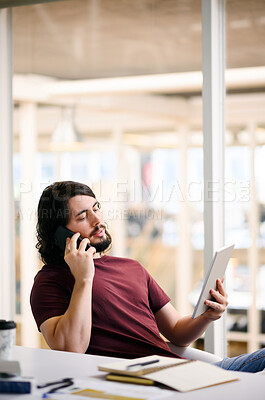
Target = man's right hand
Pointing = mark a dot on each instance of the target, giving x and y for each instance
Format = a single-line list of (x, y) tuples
[(80, 260)]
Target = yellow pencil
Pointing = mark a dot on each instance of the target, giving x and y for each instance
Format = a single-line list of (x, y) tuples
[(130, 379)]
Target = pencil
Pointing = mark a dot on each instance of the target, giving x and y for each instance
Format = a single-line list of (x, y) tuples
[(130, 379)]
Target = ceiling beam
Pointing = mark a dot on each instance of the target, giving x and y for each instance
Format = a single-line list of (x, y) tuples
[(44, 89), (185, 82)]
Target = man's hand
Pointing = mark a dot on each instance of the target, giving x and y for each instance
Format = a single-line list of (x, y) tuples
[(80, 260), (217, 306)]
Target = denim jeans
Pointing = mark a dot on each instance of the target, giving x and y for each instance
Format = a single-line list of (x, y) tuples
[(253, 362)]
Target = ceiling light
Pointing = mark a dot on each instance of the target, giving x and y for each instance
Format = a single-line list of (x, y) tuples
[(65, 136)]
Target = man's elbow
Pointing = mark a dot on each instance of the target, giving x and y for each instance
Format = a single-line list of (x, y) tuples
[(72, 347), (70, 344), (62, 340)]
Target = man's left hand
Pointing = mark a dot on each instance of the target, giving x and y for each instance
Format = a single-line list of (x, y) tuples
[(217, 306)]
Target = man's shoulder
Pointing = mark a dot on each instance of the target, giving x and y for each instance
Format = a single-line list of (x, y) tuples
[(119, 263), (53, 269), (114, 259)]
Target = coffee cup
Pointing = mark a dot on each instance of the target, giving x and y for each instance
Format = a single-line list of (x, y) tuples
[(7, 338)]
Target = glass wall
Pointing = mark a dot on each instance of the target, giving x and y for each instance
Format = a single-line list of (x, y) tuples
[(99, 97), (128, 138), (245, 162)]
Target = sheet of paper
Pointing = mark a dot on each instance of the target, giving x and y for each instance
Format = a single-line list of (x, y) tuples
[(101, 389), (192, 376)]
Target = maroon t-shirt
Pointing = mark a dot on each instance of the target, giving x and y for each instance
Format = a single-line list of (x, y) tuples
[(124, 300)]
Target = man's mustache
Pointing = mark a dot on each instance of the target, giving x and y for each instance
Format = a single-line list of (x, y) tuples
[(98, 228)]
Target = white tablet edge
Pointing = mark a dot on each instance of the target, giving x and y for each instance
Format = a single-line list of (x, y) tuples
[(216, 270)]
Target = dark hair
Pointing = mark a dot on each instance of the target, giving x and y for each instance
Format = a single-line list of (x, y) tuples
[(53, 211)]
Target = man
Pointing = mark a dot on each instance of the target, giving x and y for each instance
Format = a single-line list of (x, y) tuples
[(86, 301)]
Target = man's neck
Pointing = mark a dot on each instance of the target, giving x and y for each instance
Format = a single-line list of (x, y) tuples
[(97, 255)]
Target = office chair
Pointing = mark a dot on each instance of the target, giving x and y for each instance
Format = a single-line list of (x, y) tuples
[(194, 354)]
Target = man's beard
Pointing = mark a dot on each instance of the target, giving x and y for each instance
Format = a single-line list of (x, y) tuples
[(103, 244)]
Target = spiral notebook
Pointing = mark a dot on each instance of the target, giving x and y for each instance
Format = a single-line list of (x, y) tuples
[(179, 374)]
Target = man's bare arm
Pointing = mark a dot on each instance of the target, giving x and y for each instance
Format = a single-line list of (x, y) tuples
[(182, 331), (72, 330)]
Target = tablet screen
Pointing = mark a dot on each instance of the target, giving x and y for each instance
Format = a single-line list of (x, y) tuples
[(216, 270)]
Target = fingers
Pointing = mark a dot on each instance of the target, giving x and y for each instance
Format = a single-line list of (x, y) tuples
[(71, 245), (217, 306), (220, 294), (73, 241), (83, 244), (219, 298), (220, 287), (91, 250), (220, 307)]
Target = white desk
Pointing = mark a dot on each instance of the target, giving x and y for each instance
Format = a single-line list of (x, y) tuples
[(48, 365)]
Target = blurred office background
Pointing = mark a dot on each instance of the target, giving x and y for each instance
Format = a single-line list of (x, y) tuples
[(109, 93)]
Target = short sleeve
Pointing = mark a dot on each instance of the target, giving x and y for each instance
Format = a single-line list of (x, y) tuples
[(157, 297), (48, 298)]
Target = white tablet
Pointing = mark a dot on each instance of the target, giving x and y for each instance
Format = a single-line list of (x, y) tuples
[(216, 270)]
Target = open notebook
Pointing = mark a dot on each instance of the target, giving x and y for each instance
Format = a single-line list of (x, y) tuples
[(179, 374)]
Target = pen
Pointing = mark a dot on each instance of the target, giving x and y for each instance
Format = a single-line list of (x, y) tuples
[(143, 364), (64, 380), (64, 385)]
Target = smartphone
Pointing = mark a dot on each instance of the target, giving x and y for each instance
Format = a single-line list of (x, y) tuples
[(61, 234)]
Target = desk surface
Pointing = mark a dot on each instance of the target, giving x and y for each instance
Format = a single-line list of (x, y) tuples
[(47, 365)]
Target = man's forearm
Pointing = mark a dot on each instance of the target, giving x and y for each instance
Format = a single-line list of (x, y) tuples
[(187, 330)]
